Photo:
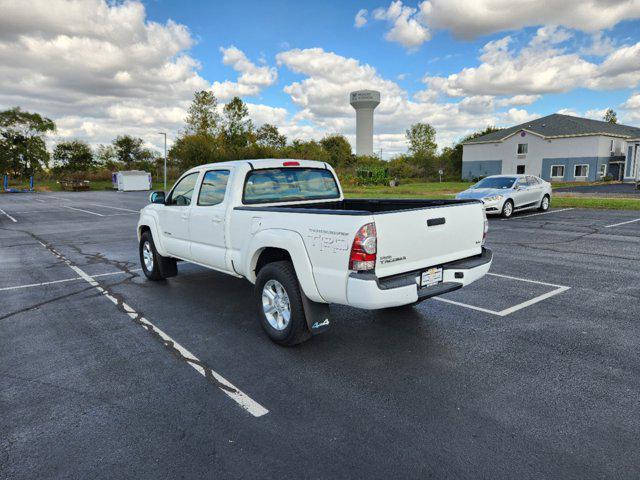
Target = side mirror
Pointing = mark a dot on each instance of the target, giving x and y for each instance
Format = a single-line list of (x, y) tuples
[(157, 197)]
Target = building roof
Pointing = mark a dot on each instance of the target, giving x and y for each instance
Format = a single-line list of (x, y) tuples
[(558, 125)]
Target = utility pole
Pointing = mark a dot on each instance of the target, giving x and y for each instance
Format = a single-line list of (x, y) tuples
[(165, 160)]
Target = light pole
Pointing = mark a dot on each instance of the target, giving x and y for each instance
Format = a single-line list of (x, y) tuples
[(165, 159)]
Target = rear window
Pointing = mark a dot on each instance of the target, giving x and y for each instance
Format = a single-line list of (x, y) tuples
[(289, 185)]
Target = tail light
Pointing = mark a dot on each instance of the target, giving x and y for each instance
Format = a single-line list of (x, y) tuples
[(486, 227), (364, 249)]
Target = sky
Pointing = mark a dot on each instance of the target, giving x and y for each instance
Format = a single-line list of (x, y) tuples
[(104, 68)]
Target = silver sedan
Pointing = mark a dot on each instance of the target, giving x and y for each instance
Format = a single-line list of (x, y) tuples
[(506, 194)]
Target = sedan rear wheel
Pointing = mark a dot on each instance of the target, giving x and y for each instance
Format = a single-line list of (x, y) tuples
[(545, 203)]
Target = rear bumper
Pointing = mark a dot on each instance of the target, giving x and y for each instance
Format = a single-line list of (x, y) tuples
[(365, 290)]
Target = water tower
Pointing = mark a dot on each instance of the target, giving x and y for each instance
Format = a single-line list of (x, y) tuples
[(365, 102)]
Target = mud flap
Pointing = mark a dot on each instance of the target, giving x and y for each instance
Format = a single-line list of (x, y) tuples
[(318, 315), (167, 266)]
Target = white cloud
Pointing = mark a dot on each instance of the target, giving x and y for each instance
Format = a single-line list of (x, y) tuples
[(406, 29), (536, 69), (470, 19), (542, 66), (322, 98), (632, 103), (620, 69), (595, 113), (99, 69), (252, 80), (630, 110), (361, 18), (411, 27), (600, 46)]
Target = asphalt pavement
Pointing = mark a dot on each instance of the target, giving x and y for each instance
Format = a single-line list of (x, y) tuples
[(532, 372)]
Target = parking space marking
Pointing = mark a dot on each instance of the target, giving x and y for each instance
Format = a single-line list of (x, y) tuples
[(81, 210), (542, 213), (622, 223), (8, 216), (64, 280), (508, 311), (114, 208), (233, 392)]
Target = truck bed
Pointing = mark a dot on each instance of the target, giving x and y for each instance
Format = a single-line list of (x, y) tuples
[(360, 206)]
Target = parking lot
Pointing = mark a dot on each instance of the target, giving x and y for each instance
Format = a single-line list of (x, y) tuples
[(532, 372)]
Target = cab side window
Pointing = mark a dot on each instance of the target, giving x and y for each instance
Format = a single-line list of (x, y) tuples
[(183, 191), (214, 186)]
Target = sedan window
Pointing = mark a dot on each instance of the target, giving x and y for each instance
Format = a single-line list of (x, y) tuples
[(495, 182)]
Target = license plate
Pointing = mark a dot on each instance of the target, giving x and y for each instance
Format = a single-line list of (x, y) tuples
[(431, 277)]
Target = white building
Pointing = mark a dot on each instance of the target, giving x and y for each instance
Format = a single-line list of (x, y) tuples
[(556, 148)]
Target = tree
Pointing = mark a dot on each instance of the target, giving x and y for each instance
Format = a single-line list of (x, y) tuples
[(269, 136), (237, 124), (105, 155), (422, 139), (129, 149), (451, 157), (338, 148), (310, 150), (610, 116), (73, 156), (191, 150), (203, 117), (23, 150)]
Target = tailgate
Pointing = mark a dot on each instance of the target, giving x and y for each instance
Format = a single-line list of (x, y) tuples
[(416, 239)]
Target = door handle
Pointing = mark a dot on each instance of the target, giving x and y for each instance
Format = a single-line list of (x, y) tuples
[(184, 216), (216, 219)]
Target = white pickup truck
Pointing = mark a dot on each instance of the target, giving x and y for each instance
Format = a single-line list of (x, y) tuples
[(285, 226)]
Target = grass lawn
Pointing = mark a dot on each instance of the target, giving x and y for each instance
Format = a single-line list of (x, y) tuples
[(53, 186), (413, 190), (449, 189)]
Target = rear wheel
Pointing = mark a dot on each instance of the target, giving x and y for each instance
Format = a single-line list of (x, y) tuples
[(544, 203), (279, 304), (507, 209)]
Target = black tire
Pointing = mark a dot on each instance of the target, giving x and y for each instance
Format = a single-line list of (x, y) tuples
[(154, 274), (507, 211), (296, 330), (542, 206)]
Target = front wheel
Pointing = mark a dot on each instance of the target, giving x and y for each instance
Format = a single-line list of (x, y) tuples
[(544, 203), (507, 209), (154, 266), (279, 304)]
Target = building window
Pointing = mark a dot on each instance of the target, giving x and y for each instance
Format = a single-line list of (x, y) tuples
[(603, 170), (557, 171), (581, 171), (520, 169), (523, 148)]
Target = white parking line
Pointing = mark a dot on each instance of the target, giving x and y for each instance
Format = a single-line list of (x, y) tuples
[(622, 223), (85, 211), (233, 392), (8, 216), (114, 208), (64, 280), (542, 213), (508, 311)]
